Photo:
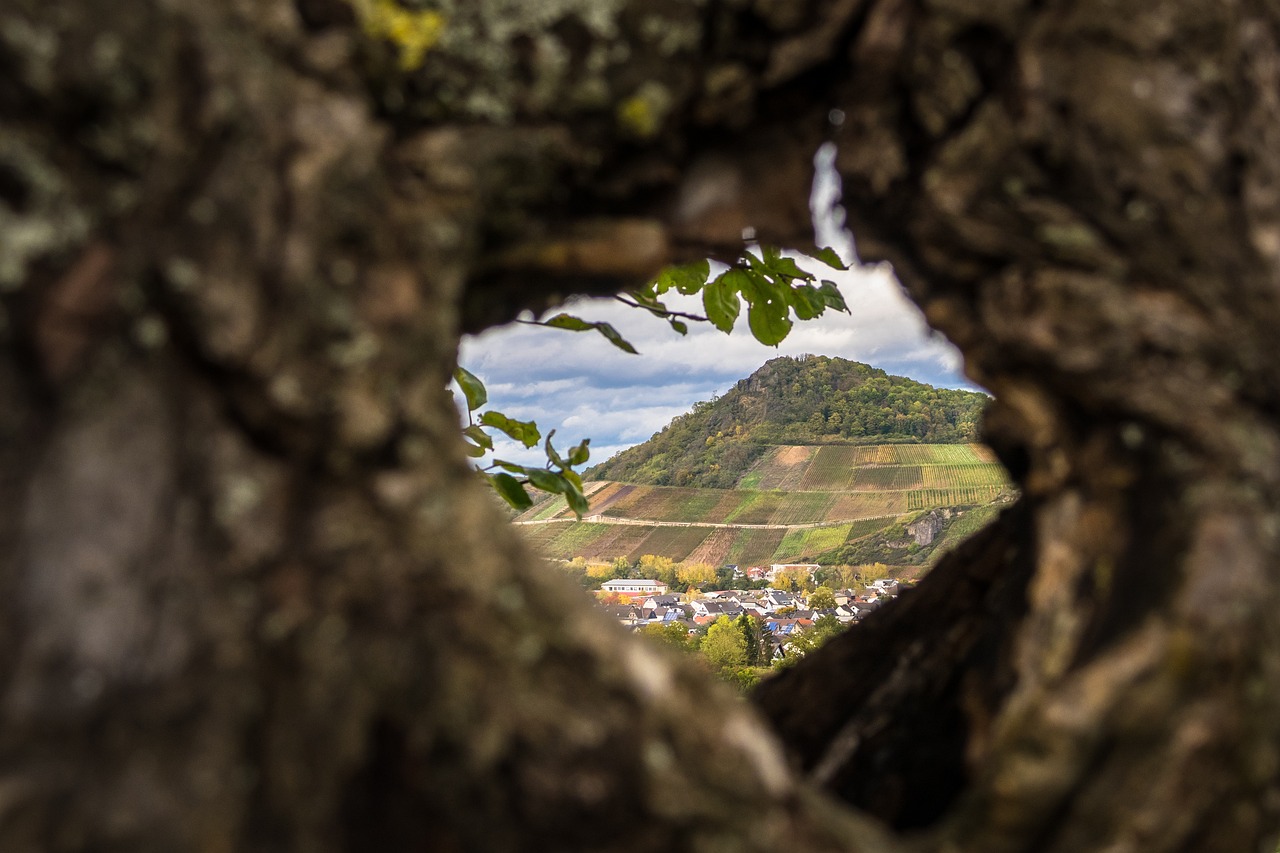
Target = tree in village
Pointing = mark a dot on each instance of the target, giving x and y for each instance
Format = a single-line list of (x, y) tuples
[(726, 578), (837, 577), (695, 574), (673, 634), (870, 573), (255, 598), (822, 598), (804, 642), (658, 568), (758, 641), (793, 580), (724, 646)]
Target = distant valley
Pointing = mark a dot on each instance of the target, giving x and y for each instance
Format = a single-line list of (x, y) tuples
[(772, 473)]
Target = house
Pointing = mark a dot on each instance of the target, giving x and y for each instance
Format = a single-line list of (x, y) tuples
[(844, 597), (632, 586), (668, 600), (776, 599), (786, 627), (626, 614), (864, 607), (885, 586), (847, 613), (715, 609), (661, 614)]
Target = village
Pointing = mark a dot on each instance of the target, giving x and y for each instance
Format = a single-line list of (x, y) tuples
[(784, 614)]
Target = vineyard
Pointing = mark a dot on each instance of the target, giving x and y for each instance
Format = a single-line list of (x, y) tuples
[(951, 476), (810, 542), (927, 498), (889, 477), (866, 527), (830, 469), (795, 502), (835, 468)]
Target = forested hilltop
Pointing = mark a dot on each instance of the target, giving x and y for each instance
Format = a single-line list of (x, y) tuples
[(804, 400)]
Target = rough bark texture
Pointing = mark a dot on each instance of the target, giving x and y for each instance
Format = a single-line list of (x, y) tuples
[(238, 242)]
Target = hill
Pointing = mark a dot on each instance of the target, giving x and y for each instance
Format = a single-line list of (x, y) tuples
[(810, 400)]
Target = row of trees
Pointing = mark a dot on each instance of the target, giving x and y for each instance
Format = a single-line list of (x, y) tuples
[(702, 577), (676, 575), (740, 650)]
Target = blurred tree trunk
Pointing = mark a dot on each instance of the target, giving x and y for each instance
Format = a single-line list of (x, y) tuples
[(253, 599)]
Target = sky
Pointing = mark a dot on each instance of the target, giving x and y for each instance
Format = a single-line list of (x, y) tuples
[(580, 385)]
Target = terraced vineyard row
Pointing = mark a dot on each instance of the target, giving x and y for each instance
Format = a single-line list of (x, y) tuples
[(834, 468), (952, 476), (847, 492), (713, 545), (927, 498), (736, 506)]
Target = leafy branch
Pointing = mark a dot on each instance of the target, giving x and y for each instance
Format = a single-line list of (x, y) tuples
[(774, 288), (557, 477)]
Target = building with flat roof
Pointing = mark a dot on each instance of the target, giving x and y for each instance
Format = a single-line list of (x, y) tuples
[(630, 586)]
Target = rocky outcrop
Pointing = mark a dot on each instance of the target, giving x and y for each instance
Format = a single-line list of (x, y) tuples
[(926, 528)]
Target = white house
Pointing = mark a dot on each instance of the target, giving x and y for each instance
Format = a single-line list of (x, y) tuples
[(631, 586)]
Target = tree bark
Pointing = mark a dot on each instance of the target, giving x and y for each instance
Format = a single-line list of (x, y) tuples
[(255, 600)]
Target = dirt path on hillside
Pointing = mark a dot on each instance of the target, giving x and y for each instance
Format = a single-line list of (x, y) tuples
[(641, 522)]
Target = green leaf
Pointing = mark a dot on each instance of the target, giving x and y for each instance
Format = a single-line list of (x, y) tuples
[(647, 298), (686, 279), (574, 497), (573, 478), (545, 480), (829, 257), (807, 302), (479, 436), (767, 309), (510, 490), (616, 339), (677, 325), (577, 324), (832, 296), (525, 432), (568, 321), (787, 267), (720, 299), (552, 455), (781, 270), (473, 451), (580, 454), (769, 322), (472, 388)]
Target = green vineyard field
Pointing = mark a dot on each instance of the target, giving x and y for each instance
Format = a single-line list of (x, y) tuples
[(849, 492)]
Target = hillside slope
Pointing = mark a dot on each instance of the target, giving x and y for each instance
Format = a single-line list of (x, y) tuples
[(794, 401), (828, 504)]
